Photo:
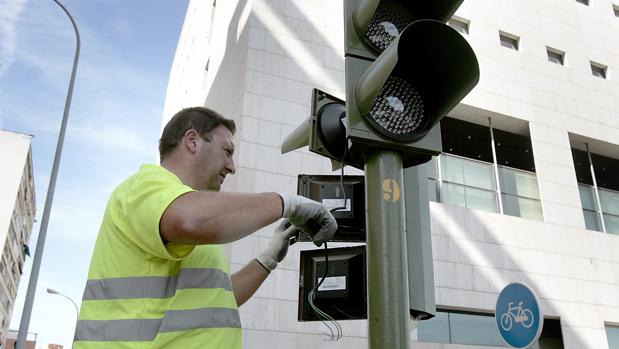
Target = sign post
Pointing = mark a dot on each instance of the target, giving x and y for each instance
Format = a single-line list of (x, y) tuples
[(518, 316)]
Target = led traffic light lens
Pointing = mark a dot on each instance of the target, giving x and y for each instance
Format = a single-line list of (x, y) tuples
[(398, 110), (387, 23)]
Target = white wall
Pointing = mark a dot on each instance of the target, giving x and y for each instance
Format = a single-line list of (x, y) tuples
[(187, 84)]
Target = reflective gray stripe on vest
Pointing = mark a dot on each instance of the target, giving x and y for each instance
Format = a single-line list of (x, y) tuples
[(140, 330), (182, 320), (155, 286), (117, 330)]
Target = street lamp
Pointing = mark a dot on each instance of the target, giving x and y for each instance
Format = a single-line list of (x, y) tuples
[(77, 312), (38, 255)]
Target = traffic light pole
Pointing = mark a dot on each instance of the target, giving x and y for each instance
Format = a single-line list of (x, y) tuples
[(387, 267)]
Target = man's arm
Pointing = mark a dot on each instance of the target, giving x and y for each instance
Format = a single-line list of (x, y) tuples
[(246, 281), (218, 217)]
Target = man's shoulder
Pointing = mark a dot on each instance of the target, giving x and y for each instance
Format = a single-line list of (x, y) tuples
[(146, 177), (153, 173)]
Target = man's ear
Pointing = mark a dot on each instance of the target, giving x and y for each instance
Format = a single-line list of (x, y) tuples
[(190, 140)]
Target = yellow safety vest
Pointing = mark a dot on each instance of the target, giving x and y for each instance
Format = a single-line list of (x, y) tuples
[(142, 293)]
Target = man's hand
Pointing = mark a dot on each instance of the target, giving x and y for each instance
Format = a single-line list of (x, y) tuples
[(310, 216), (278, 247)]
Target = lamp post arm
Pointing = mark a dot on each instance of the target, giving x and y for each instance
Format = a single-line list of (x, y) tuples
[(36, 263), (77, 311)]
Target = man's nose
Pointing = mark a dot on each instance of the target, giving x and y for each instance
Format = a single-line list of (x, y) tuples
[(231, 168)]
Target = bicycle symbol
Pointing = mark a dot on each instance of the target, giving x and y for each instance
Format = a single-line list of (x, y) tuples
[(519, 314)]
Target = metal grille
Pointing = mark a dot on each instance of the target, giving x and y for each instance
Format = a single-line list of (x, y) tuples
[(398, 109), (388, 22)]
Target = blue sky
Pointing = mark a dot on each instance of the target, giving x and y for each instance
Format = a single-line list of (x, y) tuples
[(126, 55)]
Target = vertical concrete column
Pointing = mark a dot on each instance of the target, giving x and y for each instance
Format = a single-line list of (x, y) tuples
[(556, 177)]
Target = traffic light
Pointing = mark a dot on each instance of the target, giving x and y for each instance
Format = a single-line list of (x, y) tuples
[(351, 228), (405, 70)]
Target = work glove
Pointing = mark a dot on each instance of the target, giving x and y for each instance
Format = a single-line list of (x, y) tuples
[(310, 216), (278, 246)]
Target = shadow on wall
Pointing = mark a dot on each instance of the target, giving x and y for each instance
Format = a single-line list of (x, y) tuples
[(226, 90), (230, 81), (284, 81)]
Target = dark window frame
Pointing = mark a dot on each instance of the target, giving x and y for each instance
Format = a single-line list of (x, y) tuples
[(460, 23), (555, 56), (599, 70), (509, 41)]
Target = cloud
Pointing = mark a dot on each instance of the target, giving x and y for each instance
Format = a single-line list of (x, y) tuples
[(123, 28), (83, 227), (9, 14), (112, 138)]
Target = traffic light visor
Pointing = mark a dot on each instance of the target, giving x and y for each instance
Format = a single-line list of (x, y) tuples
[(299, 138), (427, 71), (380, 22), (390, 18)]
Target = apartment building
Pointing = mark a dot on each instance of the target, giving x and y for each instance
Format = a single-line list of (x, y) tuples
[(527, 187), (17, 210)]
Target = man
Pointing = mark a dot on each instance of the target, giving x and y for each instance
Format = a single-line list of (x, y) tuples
[(159, 277)]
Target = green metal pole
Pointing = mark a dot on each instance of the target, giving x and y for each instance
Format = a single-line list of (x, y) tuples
[(388, 302)]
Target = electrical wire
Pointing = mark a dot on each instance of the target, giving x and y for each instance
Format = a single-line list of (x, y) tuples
[(323, 316)]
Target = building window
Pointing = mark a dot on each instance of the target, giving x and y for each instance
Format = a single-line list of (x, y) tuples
[(459, 24), (584, 2), (467, 172), (599, 190), (555, 56), (509, 40), (598, 70), (466, 328), (468, 183), (612, 335)]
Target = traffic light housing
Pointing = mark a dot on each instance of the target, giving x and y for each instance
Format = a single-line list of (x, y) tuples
[(325, 132), (371, 25), (405, 70), (351, 228), (331, 192), (343, 294)]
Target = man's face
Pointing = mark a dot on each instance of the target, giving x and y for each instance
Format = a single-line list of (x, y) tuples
[(214, 158)]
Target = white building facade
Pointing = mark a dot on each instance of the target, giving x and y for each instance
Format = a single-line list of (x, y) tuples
[(17, 210), (541, 208)]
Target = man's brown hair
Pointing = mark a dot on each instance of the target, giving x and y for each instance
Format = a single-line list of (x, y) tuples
[(201, 119)]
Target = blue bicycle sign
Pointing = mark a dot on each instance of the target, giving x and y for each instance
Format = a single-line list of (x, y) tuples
[(518, 316)]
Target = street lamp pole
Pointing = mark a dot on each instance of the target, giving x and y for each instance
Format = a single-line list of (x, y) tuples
[(77, 311), (36, 263)]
